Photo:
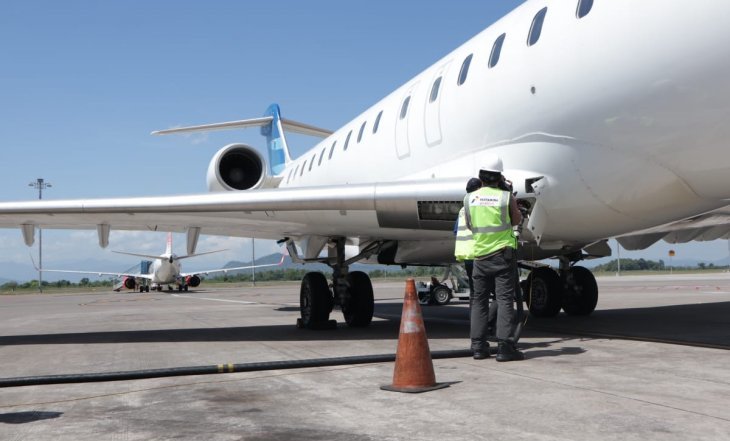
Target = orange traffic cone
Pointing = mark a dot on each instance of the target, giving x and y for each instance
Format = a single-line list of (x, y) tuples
[(413, 366)]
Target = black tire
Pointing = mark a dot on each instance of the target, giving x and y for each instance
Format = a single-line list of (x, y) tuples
[(543, 292), (315, 299), (581, 296), (185, 288), (359, 310), (441, 295)]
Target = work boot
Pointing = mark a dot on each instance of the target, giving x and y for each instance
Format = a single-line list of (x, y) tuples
[(481, 353), (508, 352)]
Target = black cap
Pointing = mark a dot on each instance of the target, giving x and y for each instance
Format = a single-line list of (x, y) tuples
[(474, 184)]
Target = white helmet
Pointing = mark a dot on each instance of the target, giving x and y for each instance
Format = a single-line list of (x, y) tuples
[(492, 164)]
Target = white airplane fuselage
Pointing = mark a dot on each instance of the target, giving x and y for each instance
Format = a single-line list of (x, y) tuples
[(165, 272), (624, 112)]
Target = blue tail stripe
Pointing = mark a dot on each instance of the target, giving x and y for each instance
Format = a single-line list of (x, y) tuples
[(275, 141)]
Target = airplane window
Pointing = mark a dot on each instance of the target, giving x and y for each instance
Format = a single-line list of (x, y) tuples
[(584, 7), (435, 90), (362, 129), (464, 69), (377, 122), (332, 150), (303, 167), (496, 49), (404, 107), (536, 27), (311, 163), (321, 155), (347, 140)]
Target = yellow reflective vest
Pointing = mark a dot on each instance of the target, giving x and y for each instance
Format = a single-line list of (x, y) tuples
[(489, 219), (464, 247)]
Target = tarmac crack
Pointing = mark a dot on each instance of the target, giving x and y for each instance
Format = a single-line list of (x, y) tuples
[(612, 394)]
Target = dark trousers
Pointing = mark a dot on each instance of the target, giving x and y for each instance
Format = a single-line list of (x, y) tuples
[(495, 274), (469, 267)]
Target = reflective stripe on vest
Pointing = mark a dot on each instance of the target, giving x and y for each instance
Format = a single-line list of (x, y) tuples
[(487, 213), (464, 246)]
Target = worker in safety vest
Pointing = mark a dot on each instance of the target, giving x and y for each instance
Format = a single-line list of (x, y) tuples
[(464, 245), (490, 213)]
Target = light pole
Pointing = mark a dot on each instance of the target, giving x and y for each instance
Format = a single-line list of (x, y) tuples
[(618, 258), (253, 260), (40, 185)]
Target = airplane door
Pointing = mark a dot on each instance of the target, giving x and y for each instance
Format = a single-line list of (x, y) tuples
[(402, 144), (432, 115)]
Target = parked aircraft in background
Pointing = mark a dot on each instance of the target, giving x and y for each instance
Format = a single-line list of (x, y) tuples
[(611, 118), (165, 270)]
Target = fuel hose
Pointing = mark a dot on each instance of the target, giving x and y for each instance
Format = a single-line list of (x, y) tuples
[(216, 369)]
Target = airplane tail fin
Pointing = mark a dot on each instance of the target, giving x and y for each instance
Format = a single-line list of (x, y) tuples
[(168, 249), (272, 127), (275, 141)]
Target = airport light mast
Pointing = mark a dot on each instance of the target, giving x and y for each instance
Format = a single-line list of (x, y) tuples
[(40, 184)]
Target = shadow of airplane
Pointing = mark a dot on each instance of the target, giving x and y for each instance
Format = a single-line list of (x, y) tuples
[(702, 324)]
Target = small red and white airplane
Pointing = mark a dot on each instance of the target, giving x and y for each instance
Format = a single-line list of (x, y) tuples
[(165, 270)]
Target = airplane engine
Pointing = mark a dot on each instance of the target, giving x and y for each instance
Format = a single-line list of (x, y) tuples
[(236, 167), (193, 281), (129, 282)]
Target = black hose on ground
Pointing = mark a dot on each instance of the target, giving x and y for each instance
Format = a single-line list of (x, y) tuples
[(216, 369)]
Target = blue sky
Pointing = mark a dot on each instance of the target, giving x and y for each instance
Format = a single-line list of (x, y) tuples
[(83, 83)]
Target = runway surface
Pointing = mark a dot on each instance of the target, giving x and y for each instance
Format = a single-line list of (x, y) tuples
[(650, 363)]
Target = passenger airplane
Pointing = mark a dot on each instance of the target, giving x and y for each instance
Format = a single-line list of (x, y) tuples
[(165, 270), (611, 118)]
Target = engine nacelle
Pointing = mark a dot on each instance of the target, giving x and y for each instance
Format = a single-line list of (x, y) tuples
[(129, 282), (193, 281), (236, 167)]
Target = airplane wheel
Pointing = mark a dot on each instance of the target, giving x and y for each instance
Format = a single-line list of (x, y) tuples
[(358, 311), (147, 289), (543, 292), (315, 299), (185, 288), (441, 295), (580, 294)]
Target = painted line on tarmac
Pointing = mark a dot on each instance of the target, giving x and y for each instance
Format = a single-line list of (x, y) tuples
[(216, 300)]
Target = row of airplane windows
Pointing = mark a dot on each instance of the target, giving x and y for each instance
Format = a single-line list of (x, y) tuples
[(583, 8)]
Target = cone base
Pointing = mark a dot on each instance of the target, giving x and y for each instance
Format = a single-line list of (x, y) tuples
[(415, 390)]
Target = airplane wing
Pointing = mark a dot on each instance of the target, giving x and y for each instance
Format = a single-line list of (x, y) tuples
[(400, 210), (200, 254), (99, 273), (236, 268), (96, 273), (705, 227)]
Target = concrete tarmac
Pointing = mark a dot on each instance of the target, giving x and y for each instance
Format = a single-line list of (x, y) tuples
[(651, 363)]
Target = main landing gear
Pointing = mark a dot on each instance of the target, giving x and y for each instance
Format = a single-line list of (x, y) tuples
[(572, 288), (352, 291)]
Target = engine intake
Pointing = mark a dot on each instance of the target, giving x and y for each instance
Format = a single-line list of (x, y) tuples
[(193, 281), (236, 167), (129, 282)]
